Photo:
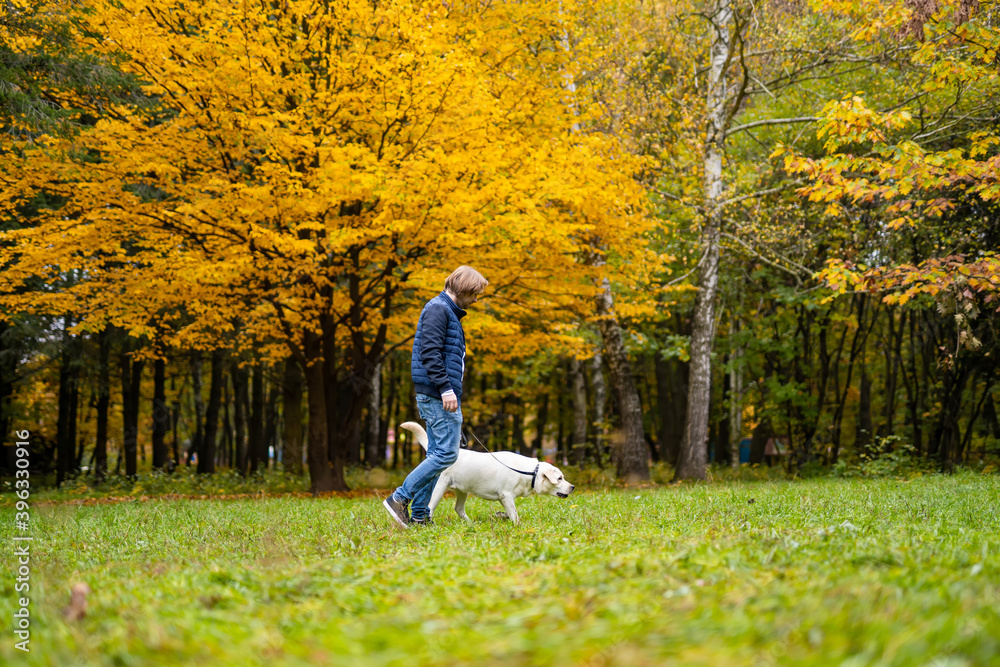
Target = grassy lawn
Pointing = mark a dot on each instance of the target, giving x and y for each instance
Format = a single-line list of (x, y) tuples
[(825, 571)]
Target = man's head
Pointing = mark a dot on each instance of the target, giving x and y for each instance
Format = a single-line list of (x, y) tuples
[(465, 284)]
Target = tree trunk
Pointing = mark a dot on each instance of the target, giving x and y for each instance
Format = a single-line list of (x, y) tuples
[(600, 401), (239, 378), (758, 440), (175, 418), (825, 372), (199, 407), (206, 460), (857, 344), (722, 437), (863, 434), (646, 401), (364, 356), (893, 361), (320, 472), (990, 415), (65, 422), (562, 407), (915, 402), (671, 395), (270, 422), (131, 376), (499, 433), (541, 417), (103, 403), (256, 446), (340, 431), (578, 447), (226, 443), (735, 408), (412, 402), (292, 408), (629, 452), (137, 367), (663, 417), (693, 458), (161, 415), (962, 455), (519, 444), (944, 438), (373, 444), (343, 426), (8, 373), (390, 413)]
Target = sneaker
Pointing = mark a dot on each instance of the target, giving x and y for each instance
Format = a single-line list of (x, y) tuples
[(396, 510), (422, 522)]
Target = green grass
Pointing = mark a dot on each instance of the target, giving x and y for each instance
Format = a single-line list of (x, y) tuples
[(814, 572)]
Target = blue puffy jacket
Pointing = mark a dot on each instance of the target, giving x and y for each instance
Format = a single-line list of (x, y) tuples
[(438, 361)]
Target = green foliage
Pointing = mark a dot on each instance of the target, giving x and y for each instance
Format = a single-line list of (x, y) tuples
[(888, 457), (185, 480), (830, 571), (47, 84)]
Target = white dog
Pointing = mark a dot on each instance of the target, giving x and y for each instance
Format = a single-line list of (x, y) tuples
[(501, 476)]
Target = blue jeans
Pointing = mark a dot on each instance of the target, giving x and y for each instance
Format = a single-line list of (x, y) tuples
[(444, 435)]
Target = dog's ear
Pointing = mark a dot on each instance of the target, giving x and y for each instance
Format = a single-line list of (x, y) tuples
[(552, 474)]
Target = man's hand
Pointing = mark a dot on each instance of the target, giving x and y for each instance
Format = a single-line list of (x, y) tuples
[(450, 402)]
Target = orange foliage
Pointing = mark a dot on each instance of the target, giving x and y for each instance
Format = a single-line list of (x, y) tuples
[(307, 162), (888, 164)]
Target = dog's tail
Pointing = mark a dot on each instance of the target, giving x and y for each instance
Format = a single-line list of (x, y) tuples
[(418, 432)]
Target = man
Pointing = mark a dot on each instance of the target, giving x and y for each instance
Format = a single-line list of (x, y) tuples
[(437, 367)]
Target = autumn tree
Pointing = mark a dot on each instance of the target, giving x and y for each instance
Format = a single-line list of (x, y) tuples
[(313, 172), (919, 177), (912, 169), (725, 70)]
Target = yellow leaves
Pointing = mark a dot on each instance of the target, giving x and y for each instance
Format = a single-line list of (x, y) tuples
[(898, 299), (949, 281), (840, 277), (850, 121), (301, 146), (902, 221), (870, 159), (833, 211), (982, 143)]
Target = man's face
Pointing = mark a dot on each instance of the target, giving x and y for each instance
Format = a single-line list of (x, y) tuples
[(463, 301)]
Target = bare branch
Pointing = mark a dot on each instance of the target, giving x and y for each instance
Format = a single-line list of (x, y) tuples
[(800, 272), (744, 80), (688, 274), (666, 195), (761, 193), (773, 121)]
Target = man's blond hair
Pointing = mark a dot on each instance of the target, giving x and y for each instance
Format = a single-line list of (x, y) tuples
[(466, 280)]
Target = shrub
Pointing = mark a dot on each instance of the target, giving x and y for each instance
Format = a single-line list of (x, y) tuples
[(890, 456)]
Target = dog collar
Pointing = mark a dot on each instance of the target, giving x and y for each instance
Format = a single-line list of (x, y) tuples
[(534, 475)]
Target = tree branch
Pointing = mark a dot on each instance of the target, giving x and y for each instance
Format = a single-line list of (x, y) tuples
[(760, 193), (798, 275), (773, 121)]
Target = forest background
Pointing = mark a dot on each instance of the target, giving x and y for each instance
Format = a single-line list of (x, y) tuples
[(702, 222)]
